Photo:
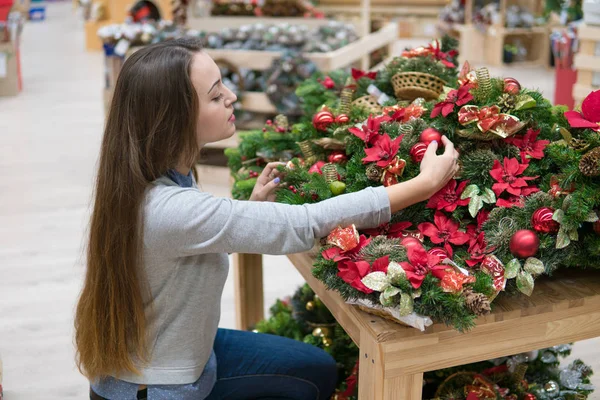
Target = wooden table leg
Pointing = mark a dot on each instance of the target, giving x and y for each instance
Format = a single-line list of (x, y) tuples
[(248, 291), (372, 383)]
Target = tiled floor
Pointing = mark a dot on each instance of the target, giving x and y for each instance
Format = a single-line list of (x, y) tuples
[(50, 137)]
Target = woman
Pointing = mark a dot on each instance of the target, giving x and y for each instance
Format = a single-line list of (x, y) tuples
[(146, 322)]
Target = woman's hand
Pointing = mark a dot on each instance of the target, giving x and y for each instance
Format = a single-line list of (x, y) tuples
[(438, 170), (267, 182)]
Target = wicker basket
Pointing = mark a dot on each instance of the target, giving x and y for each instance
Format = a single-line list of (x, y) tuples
[(369, 102), (330, 143), (380, 313), (412, 85)]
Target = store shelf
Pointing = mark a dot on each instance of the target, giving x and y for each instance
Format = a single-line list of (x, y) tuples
[(587, 32), (340, 58), (587, 62)]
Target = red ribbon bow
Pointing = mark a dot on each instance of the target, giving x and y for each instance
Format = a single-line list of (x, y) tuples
[(433, 50), (393, 171), (490, 119), (357, 74)]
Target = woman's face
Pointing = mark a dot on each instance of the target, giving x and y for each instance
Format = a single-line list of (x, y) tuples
[(215, 119)]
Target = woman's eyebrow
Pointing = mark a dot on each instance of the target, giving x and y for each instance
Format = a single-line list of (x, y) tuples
[(214, 84)]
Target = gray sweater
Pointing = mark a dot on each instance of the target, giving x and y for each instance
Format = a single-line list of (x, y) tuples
[(187, 235)]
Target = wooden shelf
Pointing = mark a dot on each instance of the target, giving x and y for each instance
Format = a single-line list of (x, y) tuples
[(340, 58), (216, 23), (587, 32), (522, 31), (587, 62)]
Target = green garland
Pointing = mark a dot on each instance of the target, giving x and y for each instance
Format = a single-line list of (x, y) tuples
[(554, 182)]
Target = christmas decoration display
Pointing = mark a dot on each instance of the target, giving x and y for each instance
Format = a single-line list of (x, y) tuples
[(536, 374), (523, 204)]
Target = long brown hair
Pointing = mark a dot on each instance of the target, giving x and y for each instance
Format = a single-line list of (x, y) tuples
[(150, 128)]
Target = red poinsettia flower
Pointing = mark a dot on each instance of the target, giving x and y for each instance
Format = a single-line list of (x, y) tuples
[(474, 230), (477, 250), (370, 131), (589, 117), (420, 264), (448, 198), (357, 74), (328, 83), (352, 272), (511, 201), (445, 230), (336, 254), (529, 146), (454, 98), (390, 230), (383, 151), (406, 114), (507, 177)]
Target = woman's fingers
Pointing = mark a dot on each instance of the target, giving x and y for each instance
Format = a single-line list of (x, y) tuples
[(269, 173)]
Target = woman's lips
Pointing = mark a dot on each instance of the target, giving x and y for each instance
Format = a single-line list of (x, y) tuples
[(232, 118)]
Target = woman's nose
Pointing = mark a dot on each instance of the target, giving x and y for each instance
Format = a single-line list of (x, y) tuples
[(232, 97)]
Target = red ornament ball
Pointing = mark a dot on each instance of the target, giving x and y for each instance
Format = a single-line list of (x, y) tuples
[(542, 221), (322, 120), (438, 252), (342, 119), (337, 157), (597, 227), (316, 168), (529, 396), (524, 243), (511, 86), (417, 152), (429, 135)]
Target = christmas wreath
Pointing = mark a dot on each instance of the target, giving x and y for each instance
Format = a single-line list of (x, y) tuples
[(523, 204)]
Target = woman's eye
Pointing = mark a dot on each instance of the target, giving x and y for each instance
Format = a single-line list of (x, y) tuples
[(219, 97)]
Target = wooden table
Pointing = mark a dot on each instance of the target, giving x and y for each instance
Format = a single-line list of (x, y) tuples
[(393, 358)]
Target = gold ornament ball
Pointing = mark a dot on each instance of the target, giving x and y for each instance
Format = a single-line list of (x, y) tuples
[(317, 332), (551, 388), (310, 306), (327, 341)]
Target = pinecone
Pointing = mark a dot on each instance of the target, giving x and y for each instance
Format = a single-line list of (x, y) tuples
[(579, 144), (478, 303), (374, 172), (506, 102), (590, 163)]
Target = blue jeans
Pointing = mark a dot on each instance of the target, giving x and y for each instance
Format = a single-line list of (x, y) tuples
[(268, 367)]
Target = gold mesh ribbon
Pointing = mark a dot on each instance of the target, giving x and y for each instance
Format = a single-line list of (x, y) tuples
[(346, 96), (484, 81), (307, 152), (406, 129), (330, 172)]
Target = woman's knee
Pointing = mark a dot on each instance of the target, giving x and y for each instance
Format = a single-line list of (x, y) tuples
[(320, 368)]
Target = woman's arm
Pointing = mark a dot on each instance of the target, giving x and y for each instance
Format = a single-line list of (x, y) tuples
[(183, 222)]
